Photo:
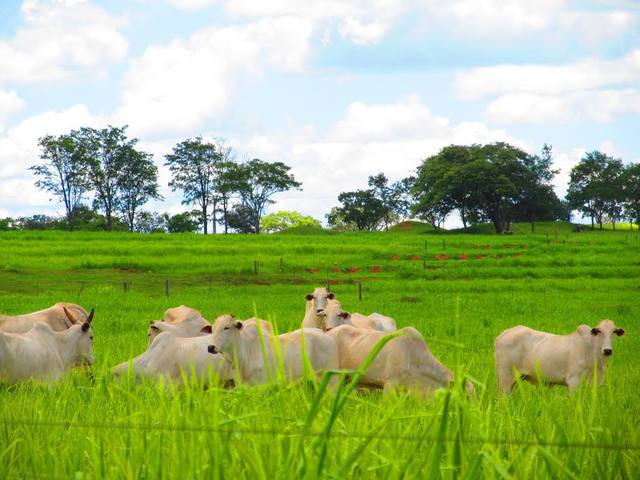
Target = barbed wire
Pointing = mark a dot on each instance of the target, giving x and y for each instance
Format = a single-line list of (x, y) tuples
[(301, 433)]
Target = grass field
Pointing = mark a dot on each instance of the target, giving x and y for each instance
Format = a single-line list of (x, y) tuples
[(459, 290)]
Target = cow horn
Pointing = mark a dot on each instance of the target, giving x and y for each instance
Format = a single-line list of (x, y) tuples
[(69, 316), (90, 317)]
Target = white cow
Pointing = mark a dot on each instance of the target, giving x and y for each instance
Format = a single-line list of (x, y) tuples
[(316, 302), (241, 344), (404, 362), (182, 321), (333, 316), (175, 359), (557, 359), (59, 317), (44, 354)]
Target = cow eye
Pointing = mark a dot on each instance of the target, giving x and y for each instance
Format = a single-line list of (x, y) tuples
[(91, 337), (226, 328)]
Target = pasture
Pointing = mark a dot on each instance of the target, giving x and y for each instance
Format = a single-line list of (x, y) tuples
[(459, 290)]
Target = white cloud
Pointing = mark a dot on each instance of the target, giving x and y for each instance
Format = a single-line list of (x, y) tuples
[(176, 87), (586, 74), (541, 93), (10, 103), (363, 33), (60, 38)]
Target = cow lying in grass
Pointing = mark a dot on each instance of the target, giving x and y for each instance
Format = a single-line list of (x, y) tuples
[(556, 359), (333, 316), (405, 362), (44, 354), (179, 357), (59, 317), (261, 357), (182, 321)]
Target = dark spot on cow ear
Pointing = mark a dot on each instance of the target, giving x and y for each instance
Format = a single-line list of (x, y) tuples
[(309, 297), (155, 327), (151, 322), (619, 332), (238, 325), (206, 329), (344, 315), (331, 296), (595, 331), (85, 326)]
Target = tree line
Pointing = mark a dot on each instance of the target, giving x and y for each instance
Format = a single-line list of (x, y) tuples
[(495, 183), (104, 180), (107, 166)]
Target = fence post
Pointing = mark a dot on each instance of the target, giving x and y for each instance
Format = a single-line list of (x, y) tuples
[(281, 265), (424, 263), (359, 291), (255, 267), (444, 244), (328, 287), (167, 287), (125, 286), (425, 247)]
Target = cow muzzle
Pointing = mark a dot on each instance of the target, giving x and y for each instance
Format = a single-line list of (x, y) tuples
[(607, 352), (212, 349)]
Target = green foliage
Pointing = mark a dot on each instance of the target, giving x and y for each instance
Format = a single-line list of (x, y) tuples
[(183, 222), (360, 208), (596, 187), (101, 429), (495, 182), (283, 220), (258, 181), (631, 181)]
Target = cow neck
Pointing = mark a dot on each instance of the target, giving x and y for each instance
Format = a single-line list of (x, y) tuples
[(68, 343), (309, 314), (595, 351), (250, 349)]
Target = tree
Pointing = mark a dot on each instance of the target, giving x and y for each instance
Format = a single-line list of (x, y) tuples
[(596, 187), (631, 179), (7, 224), (258, 181), (494, 182), (137, 183), (335, 220), (182, 223), (392, 196), (194, 169), (282, 220), (151, 222), (241, 218), (63, 173), (362, 209), (105, 153)]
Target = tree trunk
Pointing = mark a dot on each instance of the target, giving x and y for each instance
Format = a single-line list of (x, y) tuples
[(205, 220), (592, 224), (214, 218)]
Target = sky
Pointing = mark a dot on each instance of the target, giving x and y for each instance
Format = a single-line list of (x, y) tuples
[(336, 89)]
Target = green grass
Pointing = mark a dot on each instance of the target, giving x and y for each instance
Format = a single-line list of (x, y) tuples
[(459, 290)]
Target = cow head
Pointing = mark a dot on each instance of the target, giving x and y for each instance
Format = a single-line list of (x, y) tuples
[(319, 298), (603, 334), (225, 336), (84, 350), (334, 316)]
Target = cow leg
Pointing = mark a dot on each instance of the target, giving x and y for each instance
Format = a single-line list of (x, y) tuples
[(573, 381)]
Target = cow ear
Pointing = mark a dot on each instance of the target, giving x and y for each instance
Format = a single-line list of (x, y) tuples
[(90, 317), (85, 326), (619, 332), (154, 327), (331, 296), (206, 329), (309, 297), (238, 325), (344, 315), (595, 331)]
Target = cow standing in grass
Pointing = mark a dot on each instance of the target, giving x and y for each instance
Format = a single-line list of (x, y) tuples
[(59, 317), (43, 354), (260, 357), (405, 362), (556, 359)]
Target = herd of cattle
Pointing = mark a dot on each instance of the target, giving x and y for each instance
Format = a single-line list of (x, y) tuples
[(184, 346)]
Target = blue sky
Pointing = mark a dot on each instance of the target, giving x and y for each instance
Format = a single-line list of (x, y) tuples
[(338, 90)]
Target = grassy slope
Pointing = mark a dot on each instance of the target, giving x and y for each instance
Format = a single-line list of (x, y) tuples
[(473, 287)]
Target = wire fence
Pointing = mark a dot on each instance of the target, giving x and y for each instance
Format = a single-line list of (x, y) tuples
[(339, 435)]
